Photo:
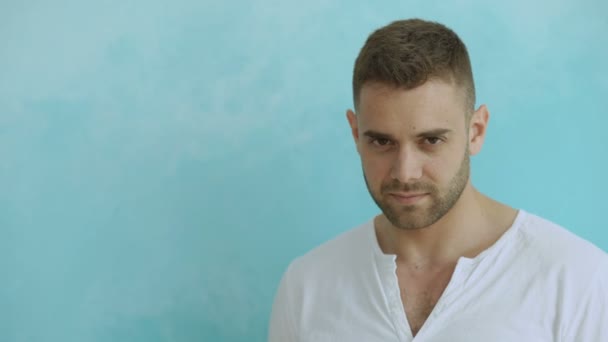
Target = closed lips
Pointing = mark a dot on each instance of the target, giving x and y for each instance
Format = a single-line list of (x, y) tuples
[(408, 195)]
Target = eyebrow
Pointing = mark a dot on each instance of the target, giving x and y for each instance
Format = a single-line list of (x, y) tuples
[(434, 132), (378, 135), (429, 133)]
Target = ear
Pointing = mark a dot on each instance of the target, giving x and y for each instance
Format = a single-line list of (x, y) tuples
[(477, 129), (354, 128), (352, 121)]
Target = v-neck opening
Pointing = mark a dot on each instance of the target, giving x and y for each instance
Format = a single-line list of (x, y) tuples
[(387, 267)]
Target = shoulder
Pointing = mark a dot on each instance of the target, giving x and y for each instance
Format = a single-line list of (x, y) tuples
[(574, 272), (334, 261), (555, 247), (344, 249), (326, 280)]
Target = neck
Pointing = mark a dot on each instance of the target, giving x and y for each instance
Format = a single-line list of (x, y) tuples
[(473, 224)]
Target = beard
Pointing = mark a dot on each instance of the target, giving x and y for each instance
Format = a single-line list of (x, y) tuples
[(410, 217)]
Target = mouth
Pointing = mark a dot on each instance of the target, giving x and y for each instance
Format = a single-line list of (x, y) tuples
[(407, 198)]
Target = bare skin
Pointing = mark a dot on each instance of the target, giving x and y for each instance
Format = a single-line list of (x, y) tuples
[(423, 278), (411, 144), (420, 290)]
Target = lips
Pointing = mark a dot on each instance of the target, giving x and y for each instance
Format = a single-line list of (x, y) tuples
[(407, 194), (408, 198)]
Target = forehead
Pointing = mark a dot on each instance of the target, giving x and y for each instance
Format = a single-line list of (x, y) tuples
[(435, 104)]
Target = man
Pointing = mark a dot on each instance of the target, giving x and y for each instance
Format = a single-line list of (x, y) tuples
[(443, 262)]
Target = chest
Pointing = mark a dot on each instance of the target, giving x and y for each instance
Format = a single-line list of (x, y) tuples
[(504, 306), (420, 292)]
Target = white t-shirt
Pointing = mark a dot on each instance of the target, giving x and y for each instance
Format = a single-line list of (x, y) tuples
[(538, 282)]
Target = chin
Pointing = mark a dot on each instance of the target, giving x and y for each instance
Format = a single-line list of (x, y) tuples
[(412, 221)]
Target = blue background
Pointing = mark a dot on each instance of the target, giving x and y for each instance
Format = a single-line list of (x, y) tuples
[(162, 162)]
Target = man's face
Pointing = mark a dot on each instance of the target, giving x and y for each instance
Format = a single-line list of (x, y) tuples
[(414, 150)]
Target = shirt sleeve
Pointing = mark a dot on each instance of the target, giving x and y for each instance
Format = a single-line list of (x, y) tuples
[(590, 323), (281, 328)]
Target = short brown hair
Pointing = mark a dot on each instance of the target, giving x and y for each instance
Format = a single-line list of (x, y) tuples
[(407, 53)]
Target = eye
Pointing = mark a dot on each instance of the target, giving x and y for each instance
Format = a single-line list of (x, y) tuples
[(433, 140), (381, 142)]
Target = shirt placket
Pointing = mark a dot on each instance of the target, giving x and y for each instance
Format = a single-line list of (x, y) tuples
[(394, 303), (447, 297)]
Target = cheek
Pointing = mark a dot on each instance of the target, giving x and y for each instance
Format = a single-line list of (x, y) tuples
[(377, 171), (442, 169), (434, 169)]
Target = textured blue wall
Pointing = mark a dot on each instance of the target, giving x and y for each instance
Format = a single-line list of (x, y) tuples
[(162, 162)]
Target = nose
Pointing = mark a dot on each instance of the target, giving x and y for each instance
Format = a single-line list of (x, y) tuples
[(407, 166)]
